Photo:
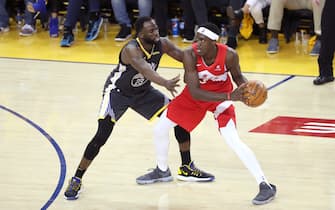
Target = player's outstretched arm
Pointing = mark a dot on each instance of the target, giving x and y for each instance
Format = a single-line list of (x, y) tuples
[(172, 50), (134, 56)]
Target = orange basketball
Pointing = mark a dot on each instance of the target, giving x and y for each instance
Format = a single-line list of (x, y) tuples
[(256, 94)]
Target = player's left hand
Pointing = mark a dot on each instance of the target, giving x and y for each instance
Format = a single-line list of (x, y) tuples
[(171, 85)]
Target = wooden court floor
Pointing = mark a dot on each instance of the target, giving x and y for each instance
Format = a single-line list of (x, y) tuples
[(48, 110)]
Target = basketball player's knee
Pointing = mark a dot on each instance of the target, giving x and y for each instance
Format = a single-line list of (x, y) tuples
[(181, 134), (93, 147), (105, 128)]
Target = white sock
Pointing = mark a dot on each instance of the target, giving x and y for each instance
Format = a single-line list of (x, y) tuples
[(161, 140), (243, 151)]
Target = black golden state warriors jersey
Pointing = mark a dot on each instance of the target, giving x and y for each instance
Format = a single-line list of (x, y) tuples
[(129, 81)]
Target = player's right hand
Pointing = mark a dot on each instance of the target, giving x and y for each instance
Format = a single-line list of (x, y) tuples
[(171, 85), (241, 93)]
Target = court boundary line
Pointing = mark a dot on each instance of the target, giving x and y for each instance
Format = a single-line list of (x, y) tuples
[(161, 67), (59, 154), (281, 82)]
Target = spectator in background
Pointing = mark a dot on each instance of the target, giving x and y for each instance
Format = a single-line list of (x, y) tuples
[(201, 7), (276, 16), (160, 13), (189, 21), (123, 19), (29, 27), (327, 49), (72, 14), (4, 18), (255, 8), (52, 6)]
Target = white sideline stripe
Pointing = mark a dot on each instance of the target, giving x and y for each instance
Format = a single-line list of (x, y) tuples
[(320, 124), (314, 131)]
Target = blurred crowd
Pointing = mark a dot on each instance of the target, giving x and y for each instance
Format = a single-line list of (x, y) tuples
[(296, 19)]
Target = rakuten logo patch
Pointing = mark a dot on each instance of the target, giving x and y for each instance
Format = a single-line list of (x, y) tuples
[(298, 126)]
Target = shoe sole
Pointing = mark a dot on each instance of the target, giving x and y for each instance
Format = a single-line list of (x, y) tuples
[(255, 202), (194, 179), (165, 179), (21, 34), (73, 198), (321, 83), (122, 39), (66, 45), (272, 51)]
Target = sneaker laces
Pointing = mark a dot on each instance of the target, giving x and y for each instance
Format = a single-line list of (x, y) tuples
[(93, 25), (194, 170), (74, 185)]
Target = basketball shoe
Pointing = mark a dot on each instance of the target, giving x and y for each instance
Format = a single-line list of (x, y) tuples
[(68, 39), (93, 29), (265, 195), (73, 189), (156, 175), (124, 33), (192, 174)]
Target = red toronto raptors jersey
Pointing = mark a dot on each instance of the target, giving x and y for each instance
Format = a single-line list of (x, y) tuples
[(188, 112), (214, 77)]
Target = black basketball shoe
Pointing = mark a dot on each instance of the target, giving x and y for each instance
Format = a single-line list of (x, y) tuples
[(191, 173), (265, 195)]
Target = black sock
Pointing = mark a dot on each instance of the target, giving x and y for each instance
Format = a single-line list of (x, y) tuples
[(80, 173), (67, 29), (185, 157)]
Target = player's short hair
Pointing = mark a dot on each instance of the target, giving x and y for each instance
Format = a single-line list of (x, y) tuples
[(140, 22)]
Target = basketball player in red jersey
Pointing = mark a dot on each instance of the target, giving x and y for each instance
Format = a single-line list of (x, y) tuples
[(208, 66)]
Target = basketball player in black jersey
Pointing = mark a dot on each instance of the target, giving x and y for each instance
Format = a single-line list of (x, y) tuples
[(129, 86)]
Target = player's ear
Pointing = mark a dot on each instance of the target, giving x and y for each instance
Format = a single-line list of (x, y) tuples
[(140, 35)]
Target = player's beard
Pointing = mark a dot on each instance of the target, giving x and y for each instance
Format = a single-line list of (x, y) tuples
[(150, 41)]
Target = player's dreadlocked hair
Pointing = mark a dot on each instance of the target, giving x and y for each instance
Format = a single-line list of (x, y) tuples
[(139, 23), (212, 27)]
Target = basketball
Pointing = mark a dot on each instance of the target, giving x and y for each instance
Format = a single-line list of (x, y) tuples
[(257, 93)]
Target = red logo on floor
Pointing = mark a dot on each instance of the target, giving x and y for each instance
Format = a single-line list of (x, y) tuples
[(298, 126)]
